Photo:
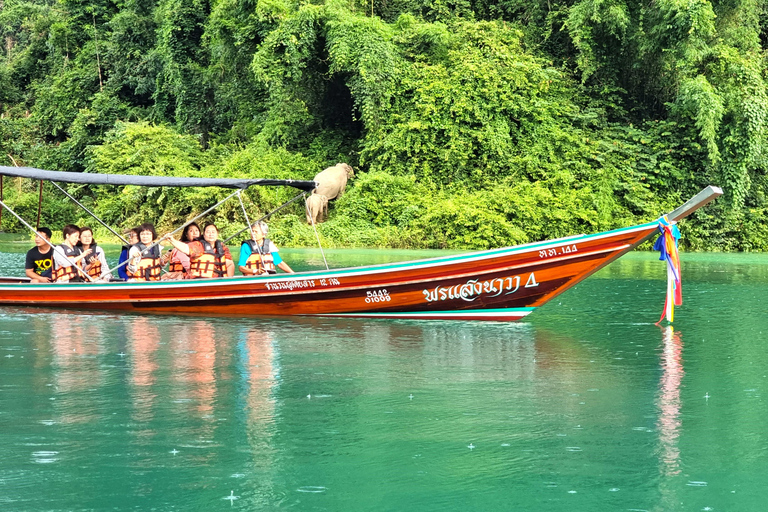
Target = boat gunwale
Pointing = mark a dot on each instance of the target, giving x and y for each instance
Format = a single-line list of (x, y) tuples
[(346, 271)]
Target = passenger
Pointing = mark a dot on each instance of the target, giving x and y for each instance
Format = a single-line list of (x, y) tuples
[(208, 256), (179, 268), (96, 264), (259, 254), (145, 264), (66, 267), (133, 238), (39, 265)]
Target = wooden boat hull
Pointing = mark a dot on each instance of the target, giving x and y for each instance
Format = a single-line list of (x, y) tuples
[(498, 285)]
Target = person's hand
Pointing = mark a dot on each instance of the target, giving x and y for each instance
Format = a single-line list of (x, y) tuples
[(87, 252)]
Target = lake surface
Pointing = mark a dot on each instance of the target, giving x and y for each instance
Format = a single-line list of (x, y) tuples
[(585, 406)]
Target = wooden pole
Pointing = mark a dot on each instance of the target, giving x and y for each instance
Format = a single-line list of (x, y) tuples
[(39, 206), (1, 190)]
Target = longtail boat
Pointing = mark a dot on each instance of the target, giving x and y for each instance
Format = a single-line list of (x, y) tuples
[(499, 285)]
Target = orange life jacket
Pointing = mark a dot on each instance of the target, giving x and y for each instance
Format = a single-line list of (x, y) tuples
[(95, 263), (210, 263), (176, 266), (260, 259), (68, 273), (150, 265)]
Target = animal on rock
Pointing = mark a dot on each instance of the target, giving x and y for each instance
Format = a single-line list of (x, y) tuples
[(332, 181), (317, 208)]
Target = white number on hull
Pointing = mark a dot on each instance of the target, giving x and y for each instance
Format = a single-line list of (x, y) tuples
[(558, 251), (377, 296)]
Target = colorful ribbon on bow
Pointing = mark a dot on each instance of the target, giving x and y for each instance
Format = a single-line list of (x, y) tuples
[(667, 245)]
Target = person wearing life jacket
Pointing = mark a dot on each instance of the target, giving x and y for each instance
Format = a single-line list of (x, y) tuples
[(145, 263), (66, 260), (259, 255), (95, 264), (133, 238), (208, 256), (179, 264)]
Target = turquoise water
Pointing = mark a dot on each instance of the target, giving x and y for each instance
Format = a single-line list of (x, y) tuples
[(585, 406)]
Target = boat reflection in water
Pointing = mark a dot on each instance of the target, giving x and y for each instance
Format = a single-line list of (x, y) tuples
[(669, 400), (75, 346), (273, 410), (669, 423)]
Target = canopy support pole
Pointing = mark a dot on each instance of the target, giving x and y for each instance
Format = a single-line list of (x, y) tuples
[(206, 212), (55, 248), (317, 235), (245, 214), (89, 212), (39, 205), (2, 179), (268, 215), (248, 223)]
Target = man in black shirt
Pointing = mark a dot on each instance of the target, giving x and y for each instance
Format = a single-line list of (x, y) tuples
[(40, 258)]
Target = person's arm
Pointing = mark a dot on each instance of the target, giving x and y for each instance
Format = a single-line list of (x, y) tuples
[(36, 278), (228, 262), (245, 253), (284, 267), (181, 246), (279, 263), (106, 276), (134, 258), (80, 256), (122, 271)]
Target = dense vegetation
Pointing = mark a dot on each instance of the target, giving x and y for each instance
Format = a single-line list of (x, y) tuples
[(470, 123)]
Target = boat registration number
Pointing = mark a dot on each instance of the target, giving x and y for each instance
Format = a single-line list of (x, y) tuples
[(558, 251), (377, 296)]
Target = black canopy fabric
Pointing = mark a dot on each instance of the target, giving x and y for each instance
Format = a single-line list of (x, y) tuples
[(147, 181)]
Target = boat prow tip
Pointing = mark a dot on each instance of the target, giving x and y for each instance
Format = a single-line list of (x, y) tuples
[(704, 197)]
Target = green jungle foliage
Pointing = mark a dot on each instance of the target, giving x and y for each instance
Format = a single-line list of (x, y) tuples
[(470, 124)]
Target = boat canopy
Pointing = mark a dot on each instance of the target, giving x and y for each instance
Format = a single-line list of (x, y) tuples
[(148, 181)]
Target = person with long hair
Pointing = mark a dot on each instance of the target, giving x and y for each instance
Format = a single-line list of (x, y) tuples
[(179, 262)]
